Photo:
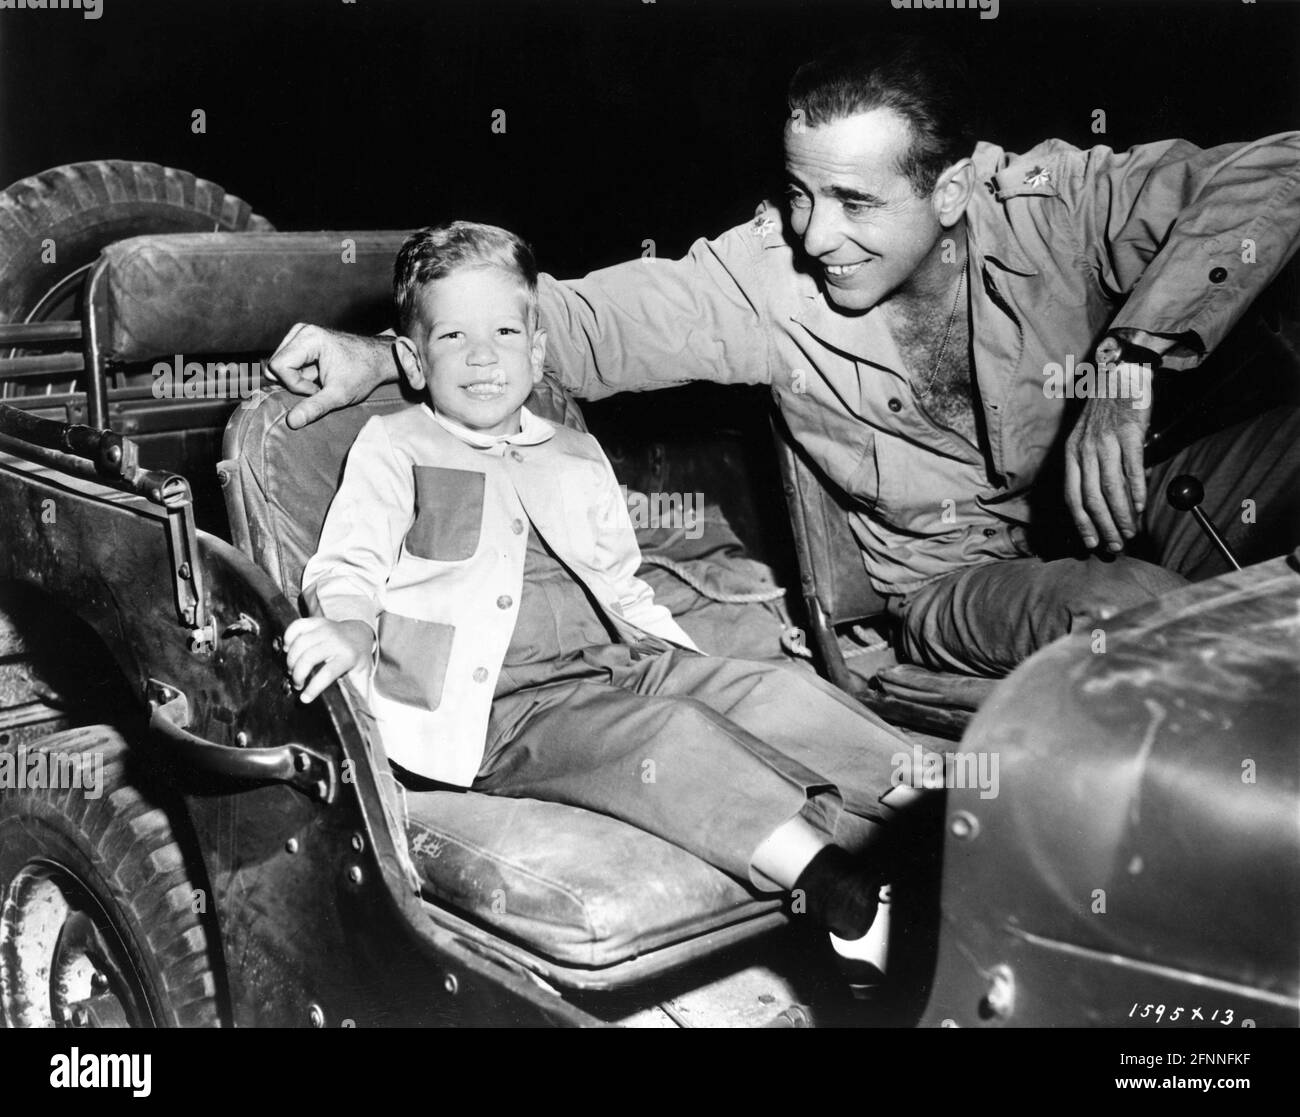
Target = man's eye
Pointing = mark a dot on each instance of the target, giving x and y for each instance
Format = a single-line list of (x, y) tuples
[(796, 197)]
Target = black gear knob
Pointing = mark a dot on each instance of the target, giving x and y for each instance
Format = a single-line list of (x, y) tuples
[(1185, 492)]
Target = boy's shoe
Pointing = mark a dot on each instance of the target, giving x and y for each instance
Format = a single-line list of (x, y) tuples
[(863, 961), (838, 893)]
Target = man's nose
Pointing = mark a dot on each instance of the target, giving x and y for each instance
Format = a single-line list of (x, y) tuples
[(821, 235)]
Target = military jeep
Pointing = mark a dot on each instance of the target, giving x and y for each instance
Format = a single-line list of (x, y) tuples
[(182, 842)]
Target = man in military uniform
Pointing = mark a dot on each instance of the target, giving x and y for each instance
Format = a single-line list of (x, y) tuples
[(912, 310)]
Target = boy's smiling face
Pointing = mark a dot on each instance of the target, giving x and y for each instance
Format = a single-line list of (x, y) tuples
[(477, 348)]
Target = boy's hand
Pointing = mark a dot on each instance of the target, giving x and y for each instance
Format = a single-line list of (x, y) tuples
[(335, 647)]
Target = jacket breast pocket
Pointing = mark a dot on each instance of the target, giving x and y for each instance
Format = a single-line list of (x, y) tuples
[(448, 513), (413, 657)]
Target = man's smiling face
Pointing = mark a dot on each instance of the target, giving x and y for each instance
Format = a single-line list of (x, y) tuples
[(862, 225)]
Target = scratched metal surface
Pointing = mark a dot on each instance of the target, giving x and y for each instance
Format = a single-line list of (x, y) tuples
[(1148, 803)]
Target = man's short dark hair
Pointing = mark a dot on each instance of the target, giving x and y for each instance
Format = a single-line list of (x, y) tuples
[(437, 251), (924, 82)]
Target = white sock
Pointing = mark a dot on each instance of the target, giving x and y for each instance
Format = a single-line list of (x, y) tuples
[(873, 947)]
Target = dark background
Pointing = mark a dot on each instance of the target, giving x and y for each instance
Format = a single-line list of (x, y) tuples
[(626, 120)]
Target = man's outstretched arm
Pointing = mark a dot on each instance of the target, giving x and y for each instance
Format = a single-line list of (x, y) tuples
[(648, 323), (654, 323)]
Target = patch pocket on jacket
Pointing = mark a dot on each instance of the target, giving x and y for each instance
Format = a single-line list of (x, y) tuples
[(413, 658), (448, 513)]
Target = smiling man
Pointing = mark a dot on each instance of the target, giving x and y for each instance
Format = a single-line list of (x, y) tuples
[(907, 307)]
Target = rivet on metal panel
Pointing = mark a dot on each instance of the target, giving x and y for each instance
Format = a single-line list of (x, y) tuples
[(1000, 1000), (316, 1015), (964, 826), (355, 875), (291, 845), (451, 984)]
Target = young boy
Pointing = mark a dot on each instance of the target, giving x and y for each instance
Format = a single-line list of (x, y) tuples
[(477, 576)]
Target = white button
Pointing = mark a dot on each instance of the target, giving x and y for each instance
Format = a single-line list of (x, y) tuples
[(480, 674)]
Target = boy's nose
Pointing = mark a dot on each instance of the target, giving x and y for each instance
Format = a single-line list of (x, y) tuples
[(482, 353)]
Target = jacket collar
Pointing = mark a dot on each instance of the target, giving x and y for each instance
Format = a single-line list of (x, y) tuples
[(533, 429)]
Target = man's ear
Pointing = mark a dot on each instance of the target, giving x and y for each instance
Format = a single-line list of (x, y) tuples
[(952, 192), (537, 354), (409, 358)]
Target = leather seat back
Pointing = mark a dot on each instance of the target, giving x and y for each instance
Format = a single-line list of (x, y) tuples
[(831, 570), (278, 482), (235, 293)]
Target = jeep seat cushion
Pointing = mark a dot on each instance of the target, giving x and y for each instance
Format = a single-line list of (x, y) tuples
[(576, 887), (224, 293)]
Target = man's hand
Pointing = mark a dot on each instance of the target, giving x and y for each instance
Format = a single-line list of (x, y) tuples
[(330, 368), (1105, 487), (332, 647)]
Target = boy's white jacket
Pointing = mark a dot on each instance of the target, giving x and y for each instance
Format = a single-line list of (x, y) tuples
[(425, 542)]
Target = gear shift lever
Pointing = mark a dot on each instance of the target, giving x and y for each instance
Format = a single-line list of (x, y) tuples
[(1185, 493)]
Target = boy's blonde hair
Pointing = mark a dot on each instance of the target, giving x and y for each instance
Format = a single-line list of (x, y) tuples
[(437, 251)]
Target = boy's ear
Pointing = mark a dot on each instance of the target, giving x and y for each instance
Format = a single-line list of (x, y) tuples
[(409, 358), (538, 353)]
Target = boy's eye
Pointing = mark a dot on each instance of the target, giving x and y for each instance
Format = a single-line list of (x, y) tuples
[(507, 330), (450, 335)]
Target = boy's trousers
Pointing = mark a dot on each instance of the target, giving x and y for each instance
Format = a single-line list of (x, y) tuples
[(711, 754)]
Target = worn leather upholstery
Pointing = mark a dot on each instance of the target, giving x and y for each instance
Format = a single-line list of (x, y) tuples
[(226, 293), (574, 887)]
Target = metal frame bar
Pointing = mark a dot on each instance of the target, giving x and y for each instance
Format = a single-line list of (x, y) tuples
[(38, 333)]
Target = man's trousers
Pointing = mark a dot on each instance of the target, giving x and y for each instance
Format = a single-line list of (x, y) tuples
[(986, 619)]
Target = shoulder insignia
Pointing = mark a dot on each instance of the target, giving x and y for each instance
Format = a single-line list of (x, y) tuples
[(767, 220)]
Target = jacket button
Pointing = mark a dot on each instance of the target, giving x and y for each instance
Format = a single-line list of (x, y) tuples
[(516, 455), (1218, 275), (990, 532), (480, 674), (503, 602), (895, 405), (517, 526)]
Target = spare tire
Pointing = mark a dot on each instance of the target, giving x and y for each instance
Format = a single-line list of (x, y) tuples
[(74, 211), (53, 226)]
